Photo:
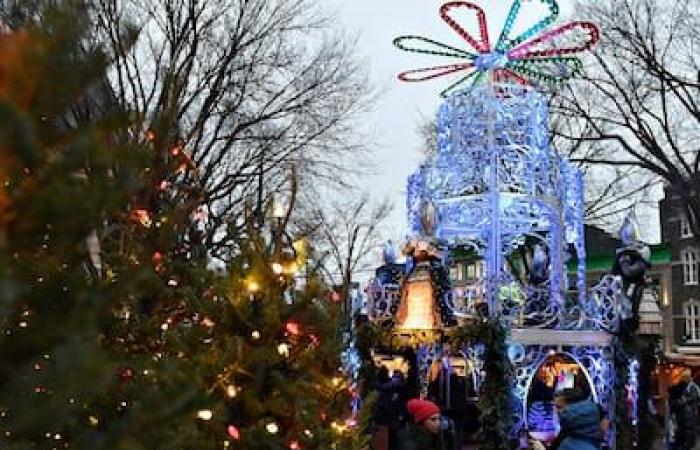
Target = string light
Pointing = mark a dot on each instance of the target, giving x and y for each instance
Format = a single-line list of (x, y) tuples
[(252, 286), (283, 349), (520, 60), (205, 414), (272, 428)]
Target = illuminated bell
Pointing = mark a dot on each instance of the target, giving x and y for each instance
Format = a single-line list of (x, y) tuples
[(418, 306)]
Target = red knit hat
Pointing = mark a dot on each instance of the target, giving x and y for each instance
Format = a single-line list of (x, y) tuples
[(421, 409)]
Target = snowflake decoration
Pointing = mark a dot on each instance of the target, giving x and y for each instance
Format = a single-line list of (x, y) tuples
[(533, 57)]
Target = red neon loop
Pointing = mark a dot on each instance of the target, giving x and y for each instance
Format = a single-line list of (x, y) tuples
[(521, 52), (484, 46)]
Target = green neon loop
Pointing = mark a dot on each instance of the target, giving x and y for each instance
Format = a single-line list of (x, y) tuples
[(456, 52)]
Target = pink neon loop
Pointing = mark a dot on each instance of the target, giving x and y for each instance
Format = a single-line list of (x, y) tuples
[(521, 52), (484, 46), (437, 71)]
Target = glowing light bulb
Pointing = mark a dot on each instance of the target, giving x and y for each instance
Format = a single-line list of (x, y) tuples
[(272, 428), (205, 414), (253, 286), (283, 349)]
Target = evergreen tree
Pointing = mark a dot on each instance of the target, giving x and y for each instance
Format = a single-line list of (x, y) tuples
[(114, 333)]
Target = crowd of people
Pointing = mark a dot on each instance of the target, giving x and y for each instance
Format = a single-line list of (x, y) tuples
[(421, 424)]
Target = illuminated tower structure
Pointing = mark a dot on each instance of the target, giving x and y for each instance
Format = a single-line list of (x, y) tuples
[(500, 193), (495, 191)]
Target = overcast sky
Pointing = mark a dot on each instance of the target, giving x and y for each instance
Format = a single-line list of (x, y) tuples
[(401, 106)]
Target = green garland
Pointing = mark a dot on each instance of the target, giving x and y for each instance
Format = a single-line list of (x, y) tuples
[(644, 349), (496, 398)]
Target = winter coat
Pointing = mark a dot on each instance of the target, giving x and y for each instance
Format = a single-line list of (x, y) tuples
[(414, 438), (580, 426), (683, 403)]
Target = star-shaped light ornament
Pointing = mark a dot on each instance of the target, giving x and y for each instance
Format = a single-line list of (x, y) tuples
[(534, 57)]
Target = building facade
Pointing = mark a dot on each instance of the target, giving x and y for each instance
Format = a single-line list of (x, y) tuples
[(682, 307)]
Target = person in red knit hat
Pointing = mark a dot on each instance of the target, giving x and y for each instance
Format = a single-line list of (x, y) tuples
[(424, 432)]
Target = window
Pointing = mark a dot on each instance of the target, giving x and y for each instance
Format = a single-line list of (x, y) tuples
[(686, 232), (457, 272), (692, 321), (689, 258), (474, 270)]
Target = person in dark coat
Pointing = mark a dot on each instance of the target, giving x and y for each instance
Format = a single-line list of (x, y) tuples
[(424, 432), (683, 405)]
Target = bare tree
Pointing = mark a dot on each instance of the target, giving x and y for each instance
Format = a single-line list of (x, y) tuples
[(636, 109), (247, 88), (344, 236)]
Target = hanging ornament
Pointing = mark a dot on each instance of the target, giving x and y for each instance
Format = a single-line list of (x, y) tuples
[(233, 432), (428, 217), (528, 58), (126, 374), (157, 260), (93, 245), (231, 391), (142, 216), (293, 328)]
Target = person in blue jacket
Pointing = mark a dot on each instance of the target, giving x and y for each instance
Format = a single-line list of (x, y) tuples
[(580, 422)]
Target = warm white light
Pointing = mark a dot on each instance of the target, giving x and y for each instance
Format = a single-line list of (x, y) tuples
[(272, 428), (283, 349), (205, 414), (253, 286)]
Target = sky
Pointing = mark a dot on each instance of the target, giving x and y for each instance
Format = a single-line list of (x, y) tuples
[(402, 106)]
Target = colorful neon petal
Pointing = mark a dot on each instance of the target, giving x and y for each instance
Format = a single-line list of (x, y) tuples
[(528, 58), (564, 31), (433, 72), (477, 76), (404, 43), (507, 75), (483, 45), (549, 70), (504, 42)]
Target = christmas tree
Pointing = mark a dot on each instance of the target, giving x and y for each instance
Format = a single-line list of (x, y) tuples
[(115, 333)]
